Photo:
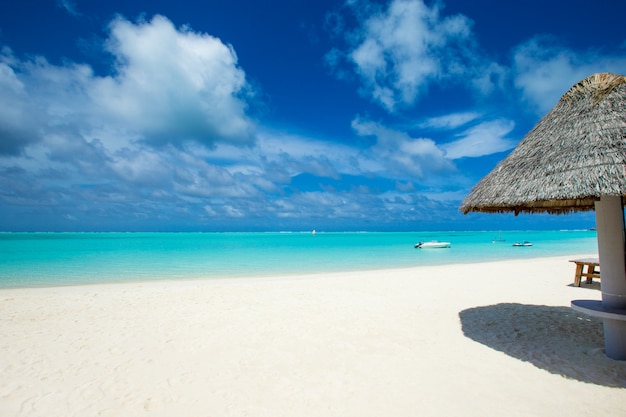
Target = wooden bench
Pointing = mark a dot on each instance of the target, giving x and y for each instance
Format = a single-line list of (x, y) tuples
[(593, 271)]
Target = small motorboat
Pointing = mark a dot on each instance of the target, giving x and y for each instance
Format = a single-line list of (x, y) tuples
[(524, 243), (434, 244)]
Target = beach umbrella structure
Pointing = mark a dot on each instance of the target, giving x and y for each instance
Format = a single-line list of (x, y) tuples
[(574, 160)]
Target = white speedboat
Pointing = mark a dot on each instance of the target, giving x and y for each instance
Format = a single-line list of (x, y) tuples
[(524, 243), (432, 244)]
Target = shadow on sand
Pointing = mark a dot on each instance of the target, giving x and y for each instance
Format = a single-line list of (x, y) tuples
[(556, 339), (595, 285)]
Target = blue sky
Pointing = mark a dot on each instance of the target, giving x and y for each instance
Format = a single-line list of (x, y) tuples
[(283, 114)]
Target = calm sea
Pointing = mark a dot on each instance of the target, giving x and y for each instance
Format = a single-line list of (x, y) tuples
[(52, 259)]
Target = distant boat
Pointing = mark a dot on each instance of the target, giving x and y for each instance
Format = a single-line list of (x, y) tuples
[(433, 244), (524, 243), (498, 239)]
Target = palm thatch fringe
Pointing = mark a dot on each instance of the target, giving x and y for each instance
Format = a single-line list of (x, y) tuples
[(574, 155)]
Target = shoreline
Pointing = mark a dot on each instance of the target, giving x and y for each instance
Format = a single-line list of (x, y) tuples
[(464, 339), (281, 275)]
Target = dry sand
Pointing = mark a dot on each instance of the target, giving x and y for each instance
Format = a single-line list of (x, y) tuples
[(489, 339)]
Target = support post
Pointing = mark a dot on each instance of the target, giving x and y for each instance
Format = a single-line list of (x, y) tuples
[(610, 230)]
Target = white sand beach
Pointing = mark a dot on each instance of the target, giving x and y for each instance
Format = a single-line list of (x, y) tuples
[(489, 339)]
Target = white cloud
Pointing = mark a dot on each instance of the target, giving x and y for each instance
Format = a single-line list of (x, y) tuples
[(297, 154), (15, 113), (69, 7), (173, 85), (399, 51), (545, 71), (170, 86), (231, 211), (451, 121), (400, 154), (484, 139)]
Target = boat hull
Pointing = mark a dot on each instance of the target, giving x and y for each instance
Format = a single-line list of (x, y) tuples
[(522, 244), (432, 245)]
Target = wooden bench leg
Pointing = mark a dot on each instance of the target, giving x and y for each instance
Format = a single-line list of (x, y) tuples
[(591, 269), (579, 271)]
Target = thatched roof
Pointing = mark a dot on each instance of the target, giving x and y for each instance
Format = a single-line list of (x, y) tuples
[(574, 155)]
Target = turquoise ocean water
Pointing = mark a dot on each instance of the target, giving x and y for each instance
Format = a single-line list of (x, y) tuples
[(53, 259)]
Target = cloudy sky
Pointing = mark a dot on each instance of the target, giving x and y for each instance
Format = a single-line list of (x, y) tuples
[(282, 114)]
